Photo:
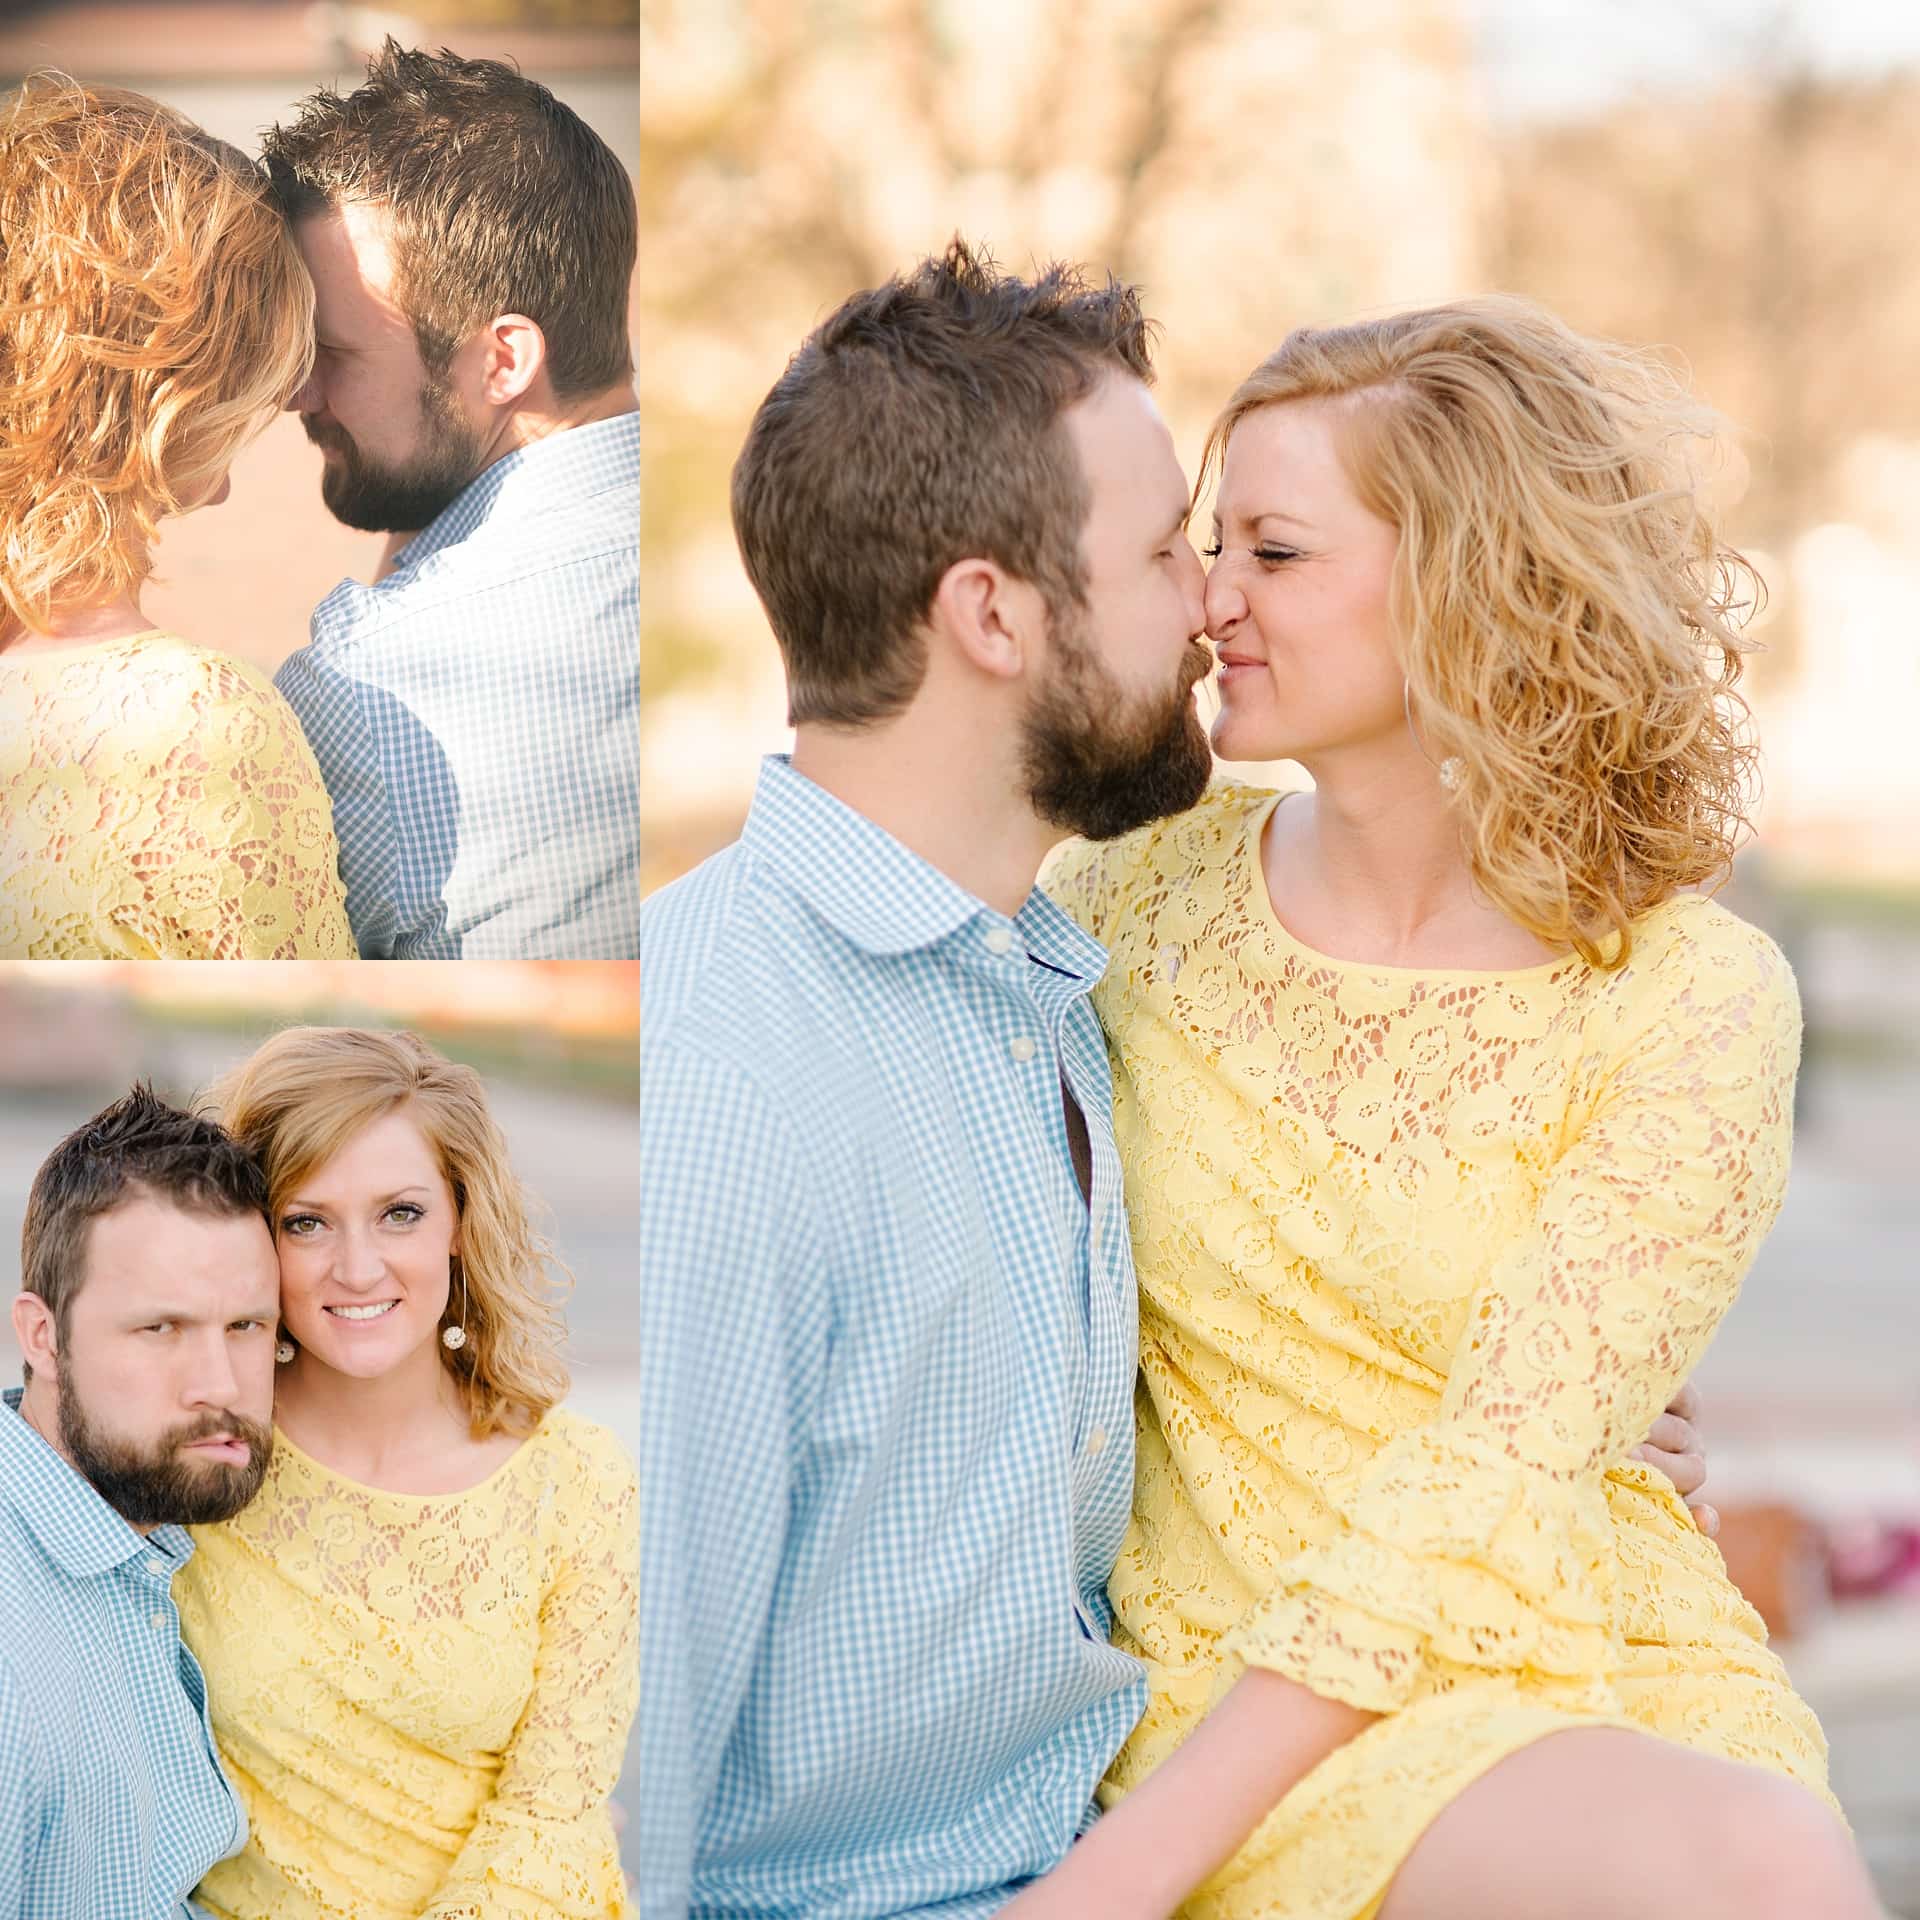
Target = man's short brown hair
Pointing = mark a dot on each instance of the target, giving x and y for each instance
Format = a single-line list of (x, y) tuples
[(503, 200), (919, 426), (137, 1145)]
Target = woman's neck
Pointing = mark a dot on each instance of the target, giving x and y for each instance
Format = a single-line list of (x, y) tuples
[(77, 626), (1369, 867), (371, 1429)]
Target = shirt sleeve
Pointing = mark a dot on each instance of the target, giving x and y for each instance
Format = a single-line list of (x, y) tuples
[(1483, 1540), (733, 1330), (20, 1795), (543, 1847), (333, 717)]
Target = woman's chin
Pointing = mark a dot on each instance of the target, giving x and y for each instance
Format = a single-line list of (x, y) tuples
[(1235, 737)]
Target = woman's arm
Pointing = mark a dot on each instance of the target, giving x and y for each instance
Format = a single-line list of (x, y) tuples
[(543, 1847)]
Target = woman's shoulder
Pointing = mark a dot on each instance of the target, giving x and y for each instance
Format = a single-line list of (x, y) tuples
[(1695, 964), (155, 682), (1092, 879), (568, 1446)]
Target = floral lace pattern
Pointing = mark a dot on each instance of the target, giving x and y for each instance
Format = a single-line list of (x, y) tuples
[(158, 801), (1421, 1256), (424, 1701)]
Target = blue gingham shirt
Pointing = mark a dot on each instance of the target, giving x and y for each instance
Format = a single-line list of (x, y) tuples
[(886, 1428), (476, 716), (112, 1802)]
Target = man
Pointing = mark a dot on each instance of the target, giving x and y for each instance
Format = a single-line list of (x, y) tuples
[(475, 711), (888, 1304), (147, 1316)]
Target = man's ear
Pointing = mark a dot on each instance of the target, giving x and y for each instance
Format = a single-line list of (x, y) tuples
[(33, 1327), (993, 621), (514, 354)]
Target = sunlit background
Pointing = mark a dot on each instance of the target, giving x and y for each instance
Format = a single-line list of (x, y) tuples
[(244, 576), (556, 1044), (1722, 180)]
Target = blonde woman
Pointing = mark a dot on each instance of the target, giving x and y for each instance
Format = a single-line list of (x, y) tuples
[(1452, 1115), (421, 1639), (157, 800)]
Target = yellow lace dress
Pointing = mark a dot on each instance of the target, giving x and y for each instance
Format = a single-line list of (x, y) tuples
[(423, 1701), (159, 802), (1421, 1256)]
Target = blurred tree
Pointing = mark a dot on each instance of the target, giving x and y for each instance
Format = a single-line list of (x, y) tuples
[(1251, 162), (522, 13), (1748, 227)]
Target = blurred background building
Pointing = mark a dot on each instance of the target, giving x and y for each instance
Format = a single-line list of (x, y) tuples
[(244, 576), (1718, 178)]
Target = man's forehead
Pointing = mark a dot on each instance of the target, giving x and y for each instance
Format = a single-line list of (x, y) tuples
[(349, 252), (1123, 438)]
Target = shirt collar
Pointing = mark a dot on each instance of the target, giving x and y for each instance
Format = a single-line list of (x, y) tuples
[(76, 1529), (878, 893), (557, 470)]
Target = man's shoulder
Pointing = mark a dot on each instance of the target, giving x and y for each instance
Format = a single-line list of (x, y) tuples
[(738, 968)]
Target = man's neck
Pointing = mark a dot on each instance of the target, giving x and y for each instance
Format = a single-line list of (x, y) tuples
[(41, 1412), (534, 421), (959, 806)]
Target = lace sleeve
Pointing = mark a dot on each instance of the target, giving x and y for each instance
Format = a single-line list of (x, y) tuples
[(238, 859), (1483, 1539), (543, 1847)]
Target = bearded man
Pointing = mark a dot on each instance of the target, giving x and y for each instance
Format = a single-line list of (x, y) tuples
[(147, 1318), (475, 710)]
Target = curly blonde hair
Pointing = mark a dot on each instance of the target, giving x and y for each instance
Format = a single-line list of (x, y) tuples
[(154, 312), (300, 1097), (1568, 611)]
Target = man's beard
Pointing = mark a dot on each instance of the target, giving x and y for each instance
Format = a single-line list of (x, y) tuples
[(381, 499), (1100, 764), (155, 1486)]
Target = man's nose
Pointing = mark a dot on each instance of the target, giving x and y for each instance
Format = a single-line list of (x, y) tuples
[(213, 1381)]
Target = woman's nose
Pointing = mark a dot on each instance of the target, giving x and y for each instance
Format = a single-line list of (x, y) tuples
[(1224, 602)]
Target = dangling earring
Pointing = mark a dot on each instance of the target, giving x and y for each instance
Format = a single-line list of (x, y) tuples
[(454, 1338), (1452, 770), (285, 1351)]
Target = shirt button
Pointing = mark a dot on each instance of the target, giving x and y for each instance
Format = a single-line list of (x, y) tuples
[(1021, 1047), (157, 1620), (155, 1564), (999, 940), (1096, 1441)]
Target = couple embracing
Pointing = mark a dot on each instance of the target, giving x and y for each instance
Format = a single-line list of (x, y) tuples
[(433, 272), (315, 1603), (1155, 1378)]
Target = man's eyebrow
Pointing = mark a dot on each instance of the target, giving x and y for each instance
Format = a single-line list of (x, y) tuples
[(190, 1316)]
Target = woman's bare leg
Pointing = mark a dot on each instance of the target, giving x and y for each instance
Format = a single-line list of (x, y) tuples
[(1600, 1823)]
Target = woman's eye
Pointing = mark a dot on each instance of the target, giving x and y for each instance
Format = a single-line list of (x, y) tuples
[(298, 1224), (1274, 556), (1212, 552), (406, 1213)]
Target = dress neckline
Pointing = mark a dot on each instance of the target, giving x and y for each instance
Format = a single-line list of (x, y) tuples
[(1253, 874), (281, 1440)]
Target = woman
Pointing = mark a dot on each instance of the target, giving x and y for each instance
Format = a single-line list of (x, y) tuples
[(421, 1639), (1453, 1115), (156, 800)]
